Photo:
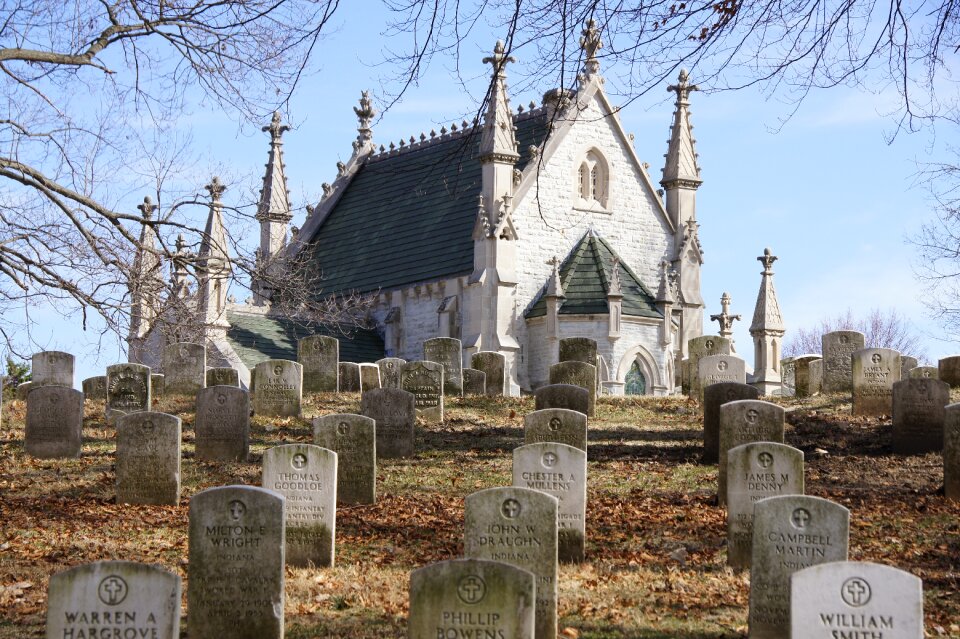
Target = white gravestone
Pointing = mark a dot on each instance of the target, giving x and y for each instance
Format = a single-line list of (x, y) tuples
[(744, 422), (52, 368), (425, 381), (128, 389), (578, 374), (222, 424), (875, 370), (837, 347), (394, 412), (494, 365), (278, 388), (449, 352), (148, 458), (320, 356), (184, 368), (714, 369), (54, 424), (354, 439), (390, 371), (556, 425)]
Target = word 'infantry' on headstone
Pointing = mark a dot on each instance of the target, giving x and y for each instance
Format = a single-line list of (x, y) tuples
[(494, 366), (128, 389), (223, 376), (349, 377), (369, 377), (714, 396), (562, 396), (395, 414), (390, 371), (454, 598), (924, 372), (222, 424), (559, 470), (744, 422), (236, 557), (307, 476), (714, 369), (578, 349), (754, 472), (448, 352), (948, 370), (158, 386), (855, 599), (703, 346), (474, 382), (54, 426), (808, 373), (951, 452), (788, 377), (148, 458), (518, 526), (790, 533), (874, 372), (425, 381), (320, 356), (353, 439), (837, 347), (278, 388), (577, 374), (918, 414), (95, 387), (52, 368), (114, 599), (907, 364), (185, 368), (558, 425)]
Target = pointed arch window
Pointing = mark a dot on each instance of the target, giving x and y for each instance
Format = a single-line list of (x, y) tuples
[(593, 180)]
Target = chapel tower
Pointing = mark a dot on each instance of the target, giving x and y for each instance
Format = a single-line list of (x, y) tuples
[(273, 213)]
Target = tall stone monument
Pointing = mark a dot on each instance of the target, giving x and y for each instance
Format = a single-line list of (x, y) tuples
[(767, 330)]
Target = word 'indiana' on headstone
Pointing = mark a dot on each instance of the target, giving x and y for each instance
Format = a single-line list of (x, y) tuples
[(743, 422), (52, 368), (918, 412), (559, 425), (394, 412), (223, 376), (715, 396), (95, 387), (577, 374), (474, 382), (353, 439), (565, 396), (54, 424), (390, 371), (448, 352), (278, 388), (222, 424), (349, 373), (148, 458), (114, 599), (951, 452), (307, 476), (454, 598), (320, 356), (128, 389), (837, 347), (425, 381), (494, 366), (184, 368), (236, 557), (875, 370)]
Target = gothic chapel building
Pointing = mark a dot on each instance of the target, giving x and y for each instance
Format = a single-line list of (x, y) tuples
[(534, 225)]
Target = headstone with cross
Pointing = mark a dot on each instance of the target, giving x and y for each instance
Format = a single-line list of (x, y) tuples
[(754, 472), (714, 369), (390, 371), (395, 415), (115, 599), (837, 347), (918, 412), (54, 424), (448, 352), (236, 559), (855, 599), (577, 374), (790, 532), (454, 598), (148, 458), (307, 476), (924, 372), (568, 396), (223, 376), (559, 470), (559, 425), (715, 396), (948, 370), (128, 390), (698, 347), (494, 366), (518, 526), (353, 439), (320, 356), (52, 368), (184, 368), (951, 452), (875, 371), (278, 388), (743, 422), (222, 424)]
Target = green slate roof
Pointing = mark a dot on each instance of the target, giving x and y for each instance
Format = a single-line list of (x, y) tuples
[(585, 277), (408, 217), (257, 338)]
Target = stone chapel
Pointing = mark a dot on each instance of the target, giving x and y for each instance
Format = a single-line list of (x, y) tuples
[(531, 225)]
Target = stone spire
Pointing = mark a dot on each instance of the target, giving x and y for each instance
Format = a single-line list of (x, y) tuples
[(213, 261), (590, 42), (725, 319), (767, 330), (179, 273), (145, 283), (273, 210), (665, 301), (614, 301), (766, 315), (681, 167), (365, 114), (498, 143)]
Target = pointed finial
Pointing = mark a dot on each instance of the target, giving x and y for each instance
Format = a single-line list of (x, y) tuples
[(365, 114), (683, 88), (215, 188), (181, 243), (616, 286), (499, 59), (767, 259), (275, 128), (554, 285), (590, 42), (147, 208)]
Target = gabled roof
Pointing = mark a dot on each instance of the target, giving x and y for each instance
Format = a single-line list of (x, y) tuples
[(257, 337), (407, 216), (586, 275)]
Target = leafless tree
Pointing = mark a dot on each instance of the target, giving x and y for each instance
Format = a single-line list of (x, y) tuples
[(881, 329)]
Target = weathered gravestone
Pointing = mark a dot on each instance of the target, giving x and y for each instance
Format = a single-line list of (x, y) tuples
[(425, 381), (558, 425), (222, 424), (369, 377), (559, 470), (837, 347), (808, 375), (918, 415), (790, 533), (448, 352), (744, 422), (754, 472), (320, 356), (948, 370), (577, 374), (703, 346), (158, 384), (788, 377), (223, 376), (23, 390), (278, 390), (128, 389), (685, 376), (349, 377), (907, 364), (494, 365), (395, 414), (854, 599), (307, 476), (95, 387), (562, 396), (114, 599), (714, 369), (353, 439), (924, 372), (875, 370), (578, 349), (390, 371), (518, 526), (471, 598), (951, 452), (714, 396), (54, 425), (52, 368), (184, 368), (148, 458), (474, 382)]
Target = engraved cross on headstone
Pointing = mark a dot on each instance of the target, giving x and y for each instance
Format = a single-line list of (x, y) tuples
[(800, 518), (856, 591), (470, 589), (113, 587), (510, 508)]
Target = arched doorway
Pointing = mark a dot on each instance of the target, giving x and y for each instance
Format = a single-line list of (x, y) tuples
[(636, 383)]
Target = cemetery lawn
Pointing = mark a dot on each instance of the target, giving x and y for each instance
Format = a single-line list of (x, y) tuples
[(656, 557)]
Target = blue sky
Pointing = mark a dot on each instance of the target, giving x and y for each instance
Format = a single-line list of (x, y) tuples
[(825, 191)]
